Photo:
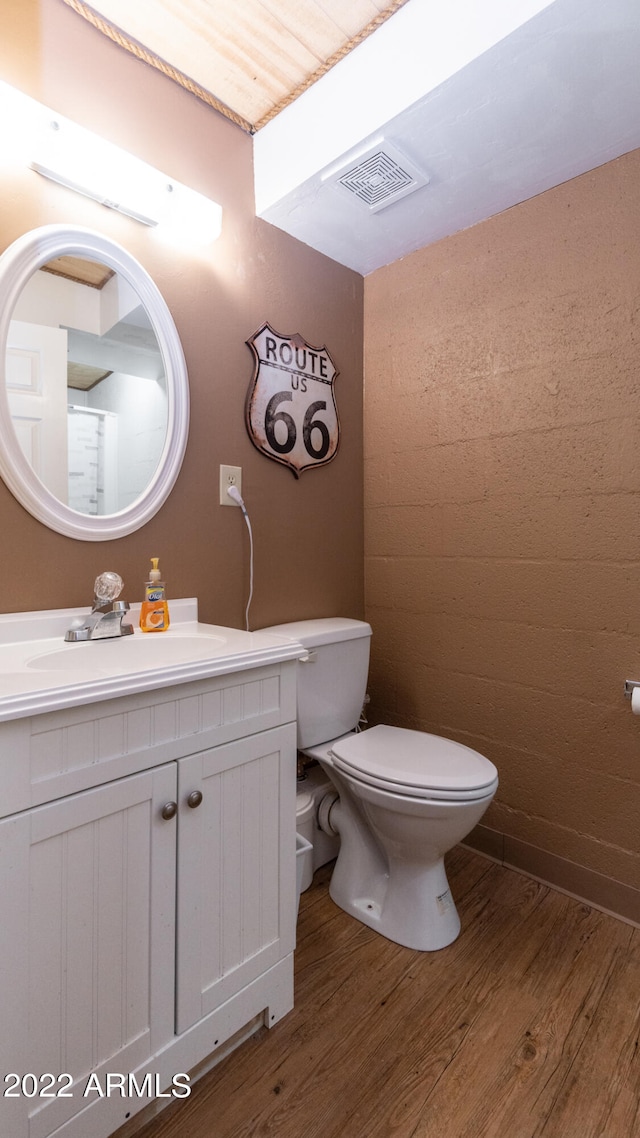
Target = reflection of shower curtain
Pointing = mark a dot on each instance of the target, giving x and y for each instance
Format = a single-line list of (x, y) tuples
[(92, 471)]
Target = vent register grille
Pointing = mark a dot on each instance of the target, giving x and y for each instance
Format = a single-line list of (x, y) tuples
[(381, 177)]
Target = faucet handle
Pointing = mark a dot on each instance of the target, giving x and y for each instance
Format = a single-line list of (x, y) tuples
[(107, 587)]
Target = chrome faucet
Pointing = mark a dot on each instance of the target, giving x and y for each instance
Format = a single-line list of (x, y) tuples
[(103, 623)]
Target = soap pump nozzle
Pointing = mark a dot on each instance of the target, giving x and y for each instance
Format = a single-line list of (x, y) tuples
[(154, 574)]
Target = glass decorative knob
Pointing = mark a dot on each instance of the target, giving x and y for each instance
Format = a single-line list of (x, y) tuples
[(107, 587)]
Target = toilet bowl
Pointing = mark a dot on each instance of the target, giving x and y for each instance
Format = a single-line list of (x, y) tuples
[(402, 798)]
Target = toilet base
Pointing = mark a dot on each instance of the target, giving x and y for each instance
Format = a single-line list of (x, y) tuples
[(409, 904)]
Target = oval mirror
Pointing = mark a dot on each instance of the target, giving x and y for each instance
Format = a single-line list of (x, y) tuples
[(94, 395)]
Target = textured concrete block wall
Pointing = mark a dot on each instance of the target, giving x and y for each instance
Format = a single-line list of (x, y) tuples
[(502, 507)]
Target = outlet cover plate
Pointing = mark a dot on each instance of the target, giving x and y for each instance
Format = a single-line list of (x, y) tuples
[(229, 476)]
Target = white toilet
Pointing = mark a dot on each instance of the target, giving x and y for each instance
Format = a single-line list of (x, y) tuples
[(403, 798)]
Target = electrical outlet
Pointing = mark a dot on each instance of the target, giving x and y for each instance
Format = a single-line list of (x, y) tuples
[(229, 476)]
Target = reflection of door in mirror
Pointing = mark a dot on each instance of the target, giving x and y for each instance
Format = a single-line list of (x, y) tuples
[(37, 390), (81, 341), (93, 460)]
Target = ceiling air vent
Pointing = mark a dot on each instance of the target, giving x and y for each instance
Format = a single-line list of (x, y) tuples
[(379, 177)]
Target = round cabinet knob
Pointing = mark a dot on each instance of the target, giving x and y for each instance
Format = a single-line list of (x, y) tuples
[(194, 799), (169, 810)]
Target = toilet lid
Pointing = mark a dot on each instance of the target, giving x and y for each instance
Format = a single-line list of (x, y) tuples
[(415, 763)]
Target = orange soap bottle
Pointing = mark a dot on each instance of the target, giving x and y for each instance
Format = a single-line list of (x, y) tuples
[(154, 611)]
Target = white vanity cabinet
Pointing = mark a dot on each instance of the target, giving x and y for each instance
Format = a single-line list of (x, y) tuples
[(147, 892), (87, 888)]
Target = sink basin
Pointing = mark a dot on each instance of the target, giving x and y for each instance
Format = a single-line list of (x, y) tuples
[(129, 653), (41, 673)]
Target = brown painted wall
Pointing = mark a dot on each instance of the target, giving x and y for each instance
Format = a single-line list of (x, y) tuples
[(308, 533), (502, 508)]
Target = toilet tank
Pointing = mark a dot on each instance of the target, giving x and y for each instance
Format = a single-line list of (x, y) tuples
[(332, 684)]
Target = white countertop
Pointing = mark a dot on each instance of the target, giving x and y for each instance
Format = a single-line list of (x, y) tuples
[(39, 672)]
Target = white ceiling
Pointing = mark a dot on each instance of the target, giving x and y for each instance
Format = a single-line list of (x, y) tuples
[(491, 112)]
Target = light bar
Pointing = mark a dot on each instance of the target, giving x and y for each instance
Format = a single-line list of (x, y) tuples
[(80, 160)]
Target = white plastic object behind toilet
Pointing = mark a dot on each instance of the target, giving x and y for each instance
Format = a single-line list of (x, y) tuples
[(310, 792), (305, 820), (304, 866)]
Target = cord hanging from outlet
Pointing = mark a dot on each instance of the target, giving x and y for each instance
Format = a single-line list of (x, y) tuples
[(234, 494)]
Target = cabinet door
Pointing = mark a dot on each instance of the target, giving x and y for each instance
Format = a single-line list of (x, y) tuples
[(236, 868), (87, 950)]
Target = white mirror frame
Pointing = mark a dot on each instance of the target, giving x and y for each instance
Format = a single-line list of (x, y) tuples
[(23, 258)]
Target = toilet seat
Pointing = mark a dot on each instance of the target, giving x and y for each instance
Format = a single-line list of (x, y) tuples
[(415, 764)]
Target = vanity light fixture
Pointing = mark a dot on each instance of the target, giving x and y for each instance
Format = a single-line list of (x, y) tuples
[(77, 158)]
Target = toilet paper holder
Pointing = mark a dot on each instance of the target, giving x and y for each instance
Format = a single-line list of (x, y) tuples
[(629, 685)]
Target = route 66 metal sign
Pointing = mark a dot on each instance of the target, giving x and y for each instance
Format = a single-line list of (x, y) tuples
[(291, 412)]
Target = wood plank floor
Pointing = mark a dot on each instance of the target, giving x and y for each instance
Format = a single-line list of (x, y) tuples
[(527, 1026)]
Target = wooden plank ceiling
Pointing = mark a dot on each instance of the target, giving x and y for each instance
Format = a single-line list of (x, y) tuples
[(247, 58)]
